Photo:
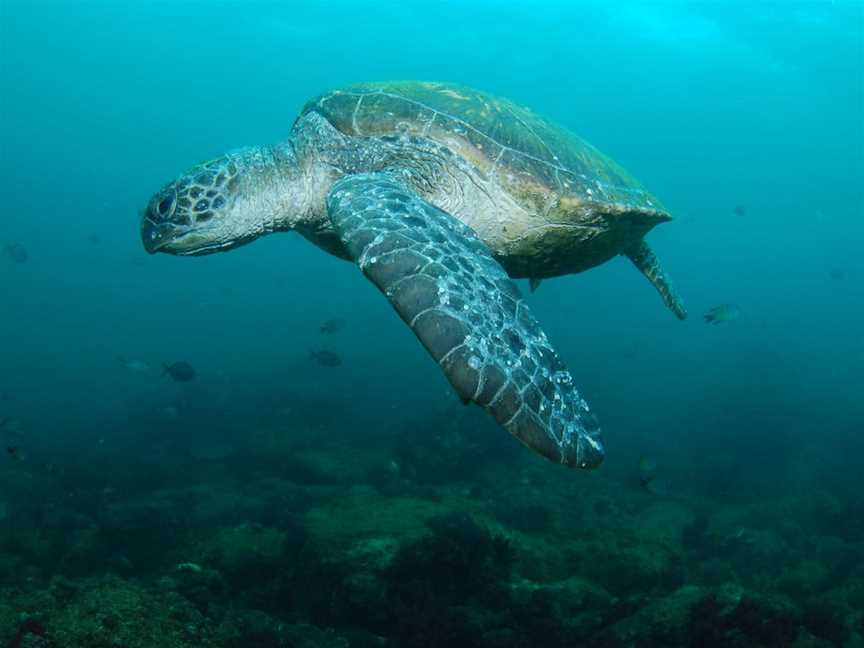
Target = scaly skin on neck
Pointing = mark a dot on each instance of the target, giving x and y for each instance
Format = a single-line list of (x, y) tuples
[(230, 201), (272, 190), (271, 196), (226, 202)]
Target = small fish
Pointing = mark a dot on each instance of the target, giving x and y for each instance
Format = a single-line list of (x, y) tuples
[(17, 252), (837, 274), (94, 239), (326, 358), (136, 366), (739, 210), (332, 325), (647, 473), (179, 371), (722, 313), (12, 451)]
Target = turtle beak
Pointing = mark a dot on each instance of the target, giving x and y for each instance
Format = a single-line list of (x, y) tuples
[(156, 236)]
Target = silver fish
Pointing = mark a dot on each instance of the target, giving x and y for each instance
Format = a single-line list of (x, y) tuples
[(722, 313), (136, 366)]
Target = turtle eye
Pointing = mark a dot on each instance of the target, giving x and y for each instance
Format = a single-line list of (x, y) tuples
[(165, 205)]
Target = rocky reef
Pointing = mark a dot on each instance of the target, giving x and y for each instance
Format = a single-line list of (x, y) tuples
[(291, 544)]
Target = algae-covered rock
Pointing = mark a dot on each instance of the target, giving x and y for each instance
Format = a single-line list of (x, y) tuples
[(201, 586), (558, 610), (373, 554), (526, 511), (668, 618), (664, 622), (802, 578), (460, 559), (664, 522), (361, 512), (8, 620), (257, 629), (248, 553), (829, 617), (103, 613), (733, 617), (86, 553), (145, 532), (624, 565), (310, 636)]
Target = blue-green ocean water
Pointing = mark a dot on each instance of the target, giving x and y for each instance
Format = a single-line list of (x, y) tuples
[(713, 106)]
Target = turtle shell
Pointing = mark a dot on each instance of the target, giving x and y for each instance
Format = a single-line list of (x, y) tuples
[(545, 167)]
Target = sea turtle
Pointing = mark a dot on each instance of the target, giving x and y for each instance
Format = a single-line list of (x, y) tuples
[(438, 192)]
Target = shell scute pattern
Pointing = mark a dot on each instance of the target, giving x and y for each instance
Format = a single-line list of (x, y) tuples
[(470, 316), (540, 163)]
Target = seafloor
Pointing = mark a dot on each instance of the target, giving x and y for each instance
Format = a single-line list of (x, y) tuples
[(424, 535)]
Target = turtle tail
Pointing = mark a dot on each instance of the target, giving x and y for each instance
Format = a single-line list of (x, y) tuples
[(646, 261)]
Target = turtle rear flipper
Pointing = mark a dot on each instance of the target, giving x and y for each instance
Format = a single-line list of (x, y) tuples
[(460, 303), (646, 261)]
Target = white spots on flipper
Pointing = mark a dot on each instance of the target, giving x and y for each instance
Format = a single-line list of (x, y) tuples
[(499, 337), (364, 262), (445, 286), (563, 378)]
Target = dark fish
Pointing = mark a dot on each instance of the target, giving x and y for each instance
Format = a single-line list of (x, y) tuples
[(94, 239), (179, 371), (722, 313), (837, 274), (332, 325), (17, 252), (326, 358), (648, 480), (739, 210), (12, 451), (647, 471)]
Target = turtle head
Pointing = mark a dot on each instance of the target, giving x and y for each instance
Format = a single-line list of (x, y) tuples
[(222, 203)]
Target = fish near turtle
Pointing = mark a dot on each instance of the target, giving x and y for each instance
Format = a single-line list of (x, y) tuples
[(181, 372), (332, 325), (722, 313), (442, 195), (16, 252)]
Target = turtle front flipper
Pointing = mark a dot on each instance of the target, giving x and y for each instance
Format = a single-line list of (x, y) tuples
[(444, 283), (646, 261)]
